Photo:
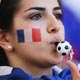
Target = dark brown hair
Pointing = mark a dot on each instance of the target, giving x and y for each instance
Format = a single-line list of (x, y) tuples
[(7, 11)]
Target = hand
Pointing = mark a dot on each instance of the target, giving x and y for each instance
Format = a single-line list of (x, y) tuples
[(74, 71)]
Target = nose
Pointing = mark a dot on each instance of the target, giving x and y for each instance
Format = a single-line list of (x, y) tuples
[(53, 25)]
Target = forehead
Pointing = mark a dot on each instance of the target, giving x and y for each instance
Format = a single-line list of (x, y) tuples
[(41, 3)]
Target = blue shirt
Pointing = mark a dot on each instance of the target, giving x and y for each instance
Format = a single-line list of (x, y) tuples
[(18, 74)]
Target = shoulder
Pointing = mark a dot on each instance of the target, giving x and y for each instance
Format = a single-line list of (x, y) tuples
[(5, 70), (62, 73), (10, 73), (66, 74)]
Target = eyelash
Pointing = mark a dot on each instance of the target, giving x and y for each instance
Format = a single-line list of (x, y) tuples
[(36, 16), (58, 16)]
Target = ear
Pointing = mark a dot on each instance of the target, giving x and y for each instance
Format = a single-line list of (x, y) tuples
[(4, 41)]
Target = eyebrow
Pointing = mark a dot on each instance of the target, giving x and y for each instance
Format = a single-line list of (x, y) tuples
[(41, 8), (57, 8)]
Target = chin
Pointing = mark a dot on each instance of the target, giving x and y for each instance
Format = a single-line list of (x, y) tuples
[(56, 61), (51, 62)]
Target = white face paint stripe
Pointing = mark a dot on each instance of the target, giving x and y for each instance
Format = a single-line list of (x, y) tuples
[(28, 35)]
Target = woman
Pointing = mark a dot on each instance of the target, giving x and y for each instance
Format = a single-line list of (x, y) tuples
[(29, 31)]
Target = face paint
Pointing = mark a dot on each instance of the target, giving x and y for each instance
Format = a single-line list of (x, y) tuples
[(20, 34), (29, 35), (36, 35)]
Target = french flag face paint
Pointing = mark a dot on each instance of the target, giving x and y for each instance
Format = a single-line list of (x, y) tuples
[(29, 35)]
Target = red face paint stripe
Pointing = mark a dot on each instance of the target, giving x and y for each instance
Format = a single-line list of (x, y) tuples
[(36, 35)]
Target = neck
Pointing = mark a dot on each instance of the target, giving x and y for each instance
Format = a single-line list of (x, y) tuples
[(35, 71), (39, 71)]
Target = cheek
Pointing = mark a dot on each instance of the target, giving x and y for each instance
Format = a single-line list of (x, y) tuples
[(29, 35), (30, 50), (63, 28)]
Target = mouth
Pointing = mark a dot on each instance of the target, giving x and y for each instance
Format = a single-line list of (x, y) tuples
[(54, 45)]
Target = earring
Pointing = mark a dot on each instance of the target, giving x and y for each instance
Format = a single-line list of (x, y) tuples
[(10, 47)]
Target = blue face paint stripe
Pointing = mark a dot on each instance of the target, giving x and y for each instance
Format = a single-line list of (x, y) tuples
[(20, 35)]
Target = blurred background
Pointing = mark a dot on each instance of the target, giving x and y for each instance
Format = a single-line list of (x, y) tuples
[(71, 21)]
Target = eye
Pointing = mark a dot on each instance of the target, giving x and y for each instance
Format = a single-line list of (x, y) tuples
[(58, 16), (36, 16)]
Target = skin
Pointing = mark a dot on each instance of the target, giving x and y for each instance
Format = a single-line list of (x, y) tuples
[(35, 58), (75, 72)]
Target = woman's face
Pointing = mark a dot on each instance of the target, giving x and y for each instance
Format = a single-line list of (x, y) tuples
[(40, 21)]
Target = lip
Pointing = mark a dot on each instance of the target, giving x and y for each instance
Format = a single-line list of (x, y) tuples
[(54, 45)]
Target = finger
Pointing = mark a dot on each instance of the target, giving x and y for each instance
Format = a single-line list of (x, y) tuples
[(74, 71)]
